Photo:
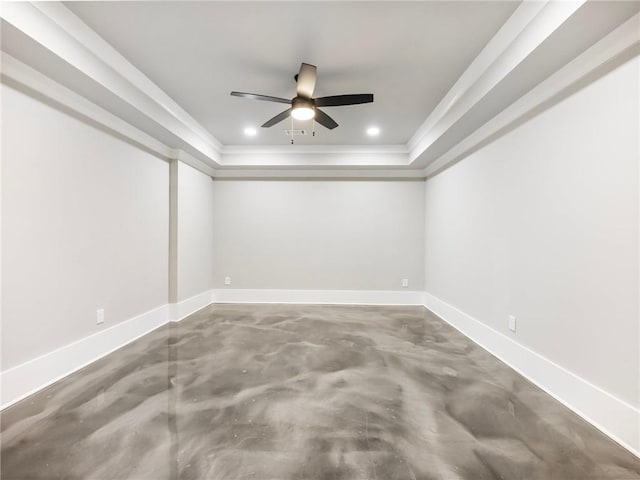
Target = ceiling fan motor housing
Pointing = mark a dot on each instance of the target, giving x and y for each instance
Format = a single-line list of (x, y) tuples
[(300, 102)]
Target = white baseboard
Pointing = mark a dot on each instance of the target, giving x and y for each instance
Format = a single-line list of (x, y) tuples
[(25, 379), (331, 297), (184, 308), (614, 417), (22, 380)]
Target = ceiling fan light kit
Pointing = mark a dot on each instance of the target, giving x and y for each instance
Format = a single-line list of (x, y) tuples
[(302, 109), (303, 106)]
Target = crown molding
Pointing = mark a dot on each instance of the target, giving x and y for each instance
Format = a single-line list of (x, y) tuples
[(65, 35), (529, 26), (315, 156), (16, 73), (621, 44), (34, 83), (56, 28), (313, 149), (349, 173), (188, 159)]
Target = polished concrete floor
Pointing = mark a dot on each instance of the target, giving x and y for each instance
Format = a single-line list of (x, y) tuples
[(303, 392)]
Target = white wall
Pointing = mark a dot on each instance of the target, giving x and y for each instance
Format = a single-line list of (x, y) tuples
[(543, 224), (318, 235), (195, 232), (84, 226)]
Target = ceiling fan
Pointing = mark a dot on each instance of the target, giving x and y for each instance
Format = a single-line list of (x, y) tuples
[(303, 106)]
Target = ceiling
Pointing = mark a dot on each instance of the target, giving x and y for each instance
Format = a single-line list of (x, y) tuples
[(408, 54), (441, 71)]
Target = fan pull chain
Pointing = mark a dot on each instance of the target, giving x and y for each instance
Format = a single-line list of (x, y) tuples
[(313, 128), (291, 129)]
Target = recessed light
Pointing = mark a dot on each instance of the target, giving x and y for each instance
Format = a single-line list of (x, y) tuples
[(373, 131), (250, 132)]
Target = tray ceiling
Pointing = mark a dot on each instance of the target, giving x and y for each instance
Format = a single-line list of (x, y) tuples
[(441, 72), (407, 53)]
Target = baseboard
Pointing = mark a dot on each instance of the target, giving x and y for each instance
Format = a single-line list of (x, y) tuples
[(25, 379), (330, 297), (614, 417), (184, 308)]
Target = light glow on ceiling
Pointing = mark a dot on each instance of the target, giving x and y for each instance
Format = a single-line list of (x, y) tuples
[(250, 132), (373, 131)]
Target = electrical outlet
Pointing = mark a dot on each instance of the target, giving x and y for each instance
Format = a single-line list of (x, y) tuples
[(227, 280), (512, 323), (99, 316), (405, 282)]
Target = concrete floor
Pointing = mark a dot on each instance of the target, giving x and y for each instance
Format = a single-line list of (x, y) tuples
[(303, 392)]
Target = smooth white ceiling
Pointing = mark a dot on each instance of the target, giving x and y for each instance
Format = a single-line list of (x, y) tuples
[(408, 54), (198, 52)]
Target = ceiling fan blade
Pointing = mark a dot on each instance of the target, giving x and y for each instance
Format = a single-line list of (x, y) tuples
[(277, 119), (325, 120), (306, 80), (266, 98), (338, 100)]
